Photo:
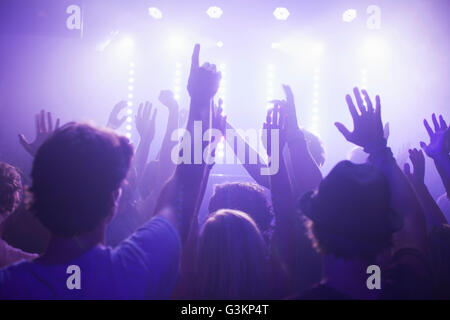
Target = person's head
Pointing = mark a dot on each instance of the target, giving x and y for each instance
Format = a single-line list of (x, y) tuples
[(350, 216), (77, 174), (246, 197), (231, 260), (357, 155), (315, 147), (10, 190)]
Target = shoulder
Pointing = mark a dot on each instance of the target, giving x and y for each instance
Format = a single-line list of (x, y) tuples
[(408, 276)]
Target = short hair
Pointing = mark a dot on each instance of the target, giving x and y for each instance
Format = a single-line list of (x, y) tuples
[(315, 146), (75, 174), (246, 197), (232, 256), (10, 188)]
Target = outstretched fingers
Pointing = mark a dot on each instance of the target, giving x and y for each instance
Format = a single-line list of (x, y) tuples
[(359, 100), (368, 101), (195, 60), (343, 129)]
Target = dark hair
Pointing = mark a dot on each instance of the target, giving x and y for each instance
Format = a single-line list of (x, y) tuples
[(246, 197), (10, 187), (76, 173), (351, 216)]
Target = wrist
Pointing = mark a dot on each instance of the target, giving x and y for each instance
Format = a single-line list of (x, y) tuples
[(377, 146), (381, 154), (441, 158)]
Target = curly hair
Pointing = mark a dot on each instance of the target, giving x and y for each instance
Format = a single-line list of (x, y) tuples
[(246, 197), (10, 188), (76, 173)]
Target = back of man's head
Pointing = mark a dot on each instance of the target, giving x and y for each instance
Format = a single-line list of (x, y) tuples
[(77, 173), (246, 197)]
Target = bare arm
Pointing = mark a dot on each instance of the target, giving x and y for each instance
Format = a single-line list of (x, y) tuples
[(179, 196), (438, 149), (306, 173), (433, 214), (368, 133)]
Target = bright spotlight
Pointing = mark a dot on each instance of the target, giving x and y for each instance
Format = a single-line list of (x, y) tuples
[(281, 13), (349, 15), (214, 12), (155, 13), (176, 43), (374, 49), (276, 45), (127, 42), (219, 44)]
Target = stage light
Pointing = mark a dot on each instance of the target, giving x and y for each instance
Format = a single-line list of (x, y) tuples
[(314, 50), (128, 135), (130, 88), (129, 119), (281, 13), (214, 12), (127, 42), (155, 13), (349, 15), (131, 80), (220, 154), (129, 103), (177, 43), (132, 64), (176, 96), (219, 44), (275, 45), (128, 127), (374, 49), (130, 96), (129, 111)]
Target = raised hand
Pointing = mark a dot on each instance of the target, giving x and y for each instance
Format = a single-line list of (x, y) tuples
[(367, 125), (418, 161), (439, 138), (289, 106), (276, 119), (43, 131), (167, 98), (203, 81), (219, 120), (113, 121), (145, 121)]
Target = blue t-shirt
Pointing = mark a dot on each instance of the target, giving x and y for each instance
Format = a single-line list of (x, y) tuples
[(144, 266)]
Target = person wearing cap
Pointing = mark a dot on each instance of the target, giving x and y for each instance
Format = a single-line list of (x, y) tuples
[(365, 217)]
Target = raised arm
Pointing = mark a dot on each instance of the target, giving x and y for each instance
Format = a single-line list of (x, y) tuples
[(179, 196), (44, 128), (433, 213), (283, 250), (114, 122), (368, 133), (254, 170), (306, 175), (438, 149), (145, 125), (166, 165)]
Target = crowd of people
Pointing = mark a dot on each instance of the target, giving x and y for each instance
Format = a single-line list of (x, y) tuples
[(131, 227)]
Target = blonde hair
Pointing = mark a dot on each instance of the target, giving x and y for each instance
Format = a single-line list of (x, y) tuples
[(231, 260)]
